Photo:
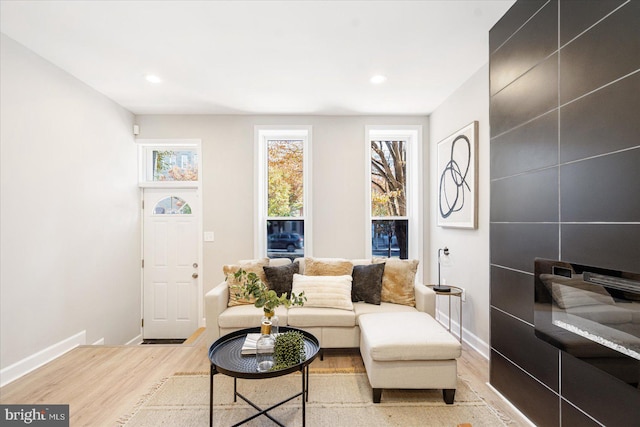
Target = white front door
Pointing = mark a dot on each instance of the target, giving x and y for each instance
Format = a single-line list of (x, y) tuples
[(171, 263)]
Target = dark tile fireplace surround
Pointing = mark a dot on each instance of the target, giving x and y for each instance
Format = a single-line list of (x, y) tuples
[(565, 185)]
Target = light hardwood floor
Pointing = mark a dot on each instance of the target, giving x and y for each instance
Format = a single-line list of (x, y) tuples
[(103, 383)]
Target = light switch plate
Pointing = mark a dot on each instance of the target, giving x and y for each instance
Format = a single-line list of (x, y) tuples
[(209, 236)]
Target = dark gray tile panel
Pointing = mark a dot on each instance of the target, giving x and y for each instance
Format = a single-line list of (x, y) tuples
[(527, 351), (528, 147), (512, 291), (513, 19), (604, 397), (596, 75), (602, 122), (531, 197), (608, 51), (573, 417), (534, 400), (578, 15), (528, 47), (517, 245), (531, 95), (601, 189), (613, 246)]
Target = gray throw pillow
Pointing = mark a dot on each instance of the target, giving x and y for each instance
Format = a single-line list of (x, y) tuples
[(367, 283), (280, 278)]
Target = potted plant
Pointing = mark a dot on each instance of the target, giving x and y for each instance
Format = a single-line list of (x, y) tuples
[(252, 287), (288, 350)]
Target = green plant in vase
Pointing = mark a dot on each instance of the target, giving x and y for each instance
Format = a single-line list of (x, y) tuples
[(252, 287)]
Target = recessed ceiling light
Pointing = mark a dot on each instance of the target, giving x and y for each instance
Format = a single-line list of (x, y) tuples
[(377, 79), (151, 78)]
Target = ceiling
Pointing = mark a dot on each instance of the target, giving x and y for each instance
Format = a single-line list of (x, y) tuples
[(262, 57)]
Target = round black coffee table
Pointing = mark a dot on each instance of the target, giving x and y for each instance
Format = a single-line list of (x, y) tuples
[(226, 358)]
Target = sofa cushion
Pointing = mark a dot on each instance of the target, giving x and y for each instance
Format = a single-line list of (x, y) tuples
[(327, 267), (361, 261), (306, 317), (367, 283), (247, 316), (358, 261), (398, 281), (280, 279), (324, 291), (407, 336), (250, 266), (273, 262), (276, 262), (361, 308)]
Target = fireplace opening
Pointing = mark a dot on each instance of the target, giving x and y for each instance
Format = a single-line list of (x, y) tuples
[(591, 313)]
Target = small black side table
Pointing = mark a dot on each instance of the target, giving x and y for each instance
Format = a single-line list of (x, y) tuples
[(226, 358), (453, 292)]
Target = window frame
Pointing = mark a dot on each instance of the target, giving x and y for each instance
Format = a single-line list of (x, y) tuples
[(261, 135), (412, 134), (145, 156)]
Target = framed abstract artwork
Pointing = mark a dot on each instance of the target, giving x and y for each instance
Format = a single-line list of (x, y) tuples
[(458, 179)]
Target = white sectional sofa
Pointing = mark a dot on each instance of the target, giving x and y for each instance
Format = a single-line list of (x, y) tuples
[(335, 328), (402, 345)]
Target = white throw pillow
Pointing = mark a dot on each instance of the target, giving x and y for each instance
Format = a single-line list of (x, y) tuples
[(324, 291)]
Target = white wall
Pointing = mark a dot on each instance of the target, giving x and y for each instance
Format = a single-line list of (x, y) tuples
[(338, 157), (469, 248), (70, 222)]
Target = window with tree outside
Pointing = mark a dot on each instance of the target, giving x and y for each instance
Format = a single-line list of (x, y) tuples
[(283, 191), (389, 219), (285, 216)]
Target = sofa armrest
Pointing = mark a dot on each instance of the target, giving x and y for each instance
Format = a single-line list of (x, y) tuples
[(215, 302), (425, 299)]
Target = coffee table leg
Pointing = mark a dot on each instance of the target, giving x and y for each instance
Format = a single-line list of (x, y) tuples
[(305, 394), (211, 397)]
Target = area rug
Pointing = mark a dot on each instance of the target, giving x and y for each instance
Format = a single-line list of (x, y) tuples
[(334, 400)]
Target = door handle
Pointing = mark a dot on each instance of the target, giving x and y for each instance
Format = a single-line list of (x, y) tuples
[(194, 275)]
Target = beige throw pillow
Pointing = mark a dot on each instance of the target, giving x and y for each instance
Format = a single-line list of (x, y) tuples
[(327, 267), (398, 281), (250, 266), (324, 291)]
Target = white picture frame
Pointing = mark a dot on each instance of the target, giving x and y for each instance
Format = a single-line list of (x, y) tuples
[(457, 168)]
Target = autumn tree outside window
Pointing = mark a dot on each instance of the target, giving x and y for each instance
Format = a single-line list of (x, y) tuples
[(286, 179), (283, 187)]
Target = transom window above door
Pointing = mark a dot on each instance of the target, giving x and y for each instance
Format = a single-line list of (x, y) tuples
[(169, 163), (174, 165)]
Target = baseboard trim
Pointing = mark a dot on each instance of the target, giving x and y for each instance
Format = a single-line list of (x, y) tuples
[(99, 342), (469, 338), (135, 340), (511, 405), (36, 360)]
